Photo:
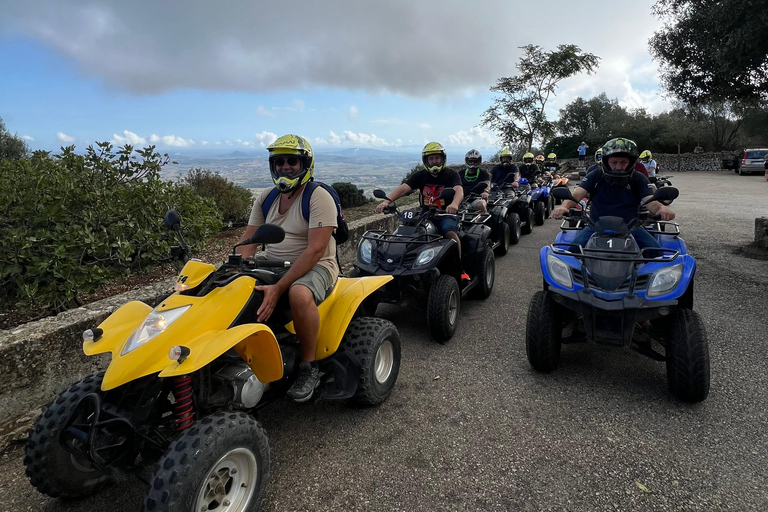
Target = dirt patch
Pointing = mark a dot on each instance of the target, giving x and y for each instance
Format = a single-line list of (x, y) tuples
[(753, 251)]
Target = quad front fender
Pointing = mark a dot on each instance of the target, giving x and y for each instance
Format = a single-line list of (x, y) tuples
[(337, 310)]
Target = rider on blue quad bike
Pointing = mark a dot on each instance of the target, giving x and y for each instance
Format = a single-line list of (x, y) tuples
[(615, 189)]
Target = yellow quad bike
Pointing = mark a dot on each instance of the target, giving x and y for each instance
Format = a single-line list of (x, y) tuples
[(186, 381)]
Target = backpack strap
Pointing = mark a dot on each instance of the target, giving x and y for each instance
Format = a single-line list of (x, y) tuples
[(269, 201), (308, 189)]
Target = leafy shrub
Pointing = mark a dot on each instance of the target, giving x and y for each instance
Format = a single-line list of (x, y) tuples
[(416, 168), (232, 200), (72, 222), (349, 195)]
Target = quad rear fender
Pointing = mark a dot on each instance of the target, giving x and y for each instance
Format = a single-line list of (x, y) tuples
[(337, 310)]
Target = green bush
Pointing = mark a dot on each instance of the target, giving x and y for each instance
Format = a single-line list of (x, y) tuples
[(233, 201), (416, 168), (349, 195), (72, 222)]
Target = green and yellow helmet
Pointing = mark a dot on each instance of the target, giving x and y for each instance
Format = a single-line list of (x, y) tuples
[(551, 157), (528, 158), (598, 155), (646, 156), (433, 148), (505, 153), (287, 148), (619, 147)]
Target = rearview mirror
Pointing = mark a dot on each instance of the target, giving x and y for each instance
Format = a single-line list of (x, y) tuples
[(447, 193), (266, 234), (379, 193), (665, 195), (562, 193), (172, 220)]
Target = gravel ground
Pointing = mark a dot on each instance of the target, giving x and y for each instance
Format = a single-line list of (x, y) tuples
[(471, 427)]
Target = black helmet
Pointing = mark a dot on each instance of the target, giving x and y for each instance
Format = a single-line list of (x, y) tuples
[(619, 147)]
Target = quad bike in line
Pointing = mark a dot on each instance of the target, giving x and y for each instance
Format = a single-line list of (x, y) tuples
[(187, 379)]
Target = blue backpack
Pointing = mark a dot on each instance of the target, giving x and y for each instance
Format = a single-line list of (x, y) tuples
[(341, 233)]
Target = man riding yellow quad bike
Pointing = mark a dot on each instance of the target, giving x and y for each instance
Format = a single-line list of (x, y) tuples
[(186, 380)]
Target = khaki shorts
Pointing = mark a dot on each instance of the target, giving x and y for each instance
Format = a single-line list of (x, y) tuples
[(318, 280)]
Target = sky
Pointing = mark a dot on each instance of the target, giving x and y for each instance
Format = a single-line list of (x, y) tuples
[(349, 73)]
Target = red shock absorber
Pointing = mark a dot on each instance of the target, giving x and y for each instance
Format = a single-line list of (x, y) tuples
[(182, 393)]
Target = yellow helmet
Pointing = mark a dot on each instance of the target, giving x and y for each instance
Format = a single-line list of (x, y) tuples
[(285, 148), (528, 158), (646, 156), (539, 158), (505, 153), (551, 156), (433, 148), (599, 155)]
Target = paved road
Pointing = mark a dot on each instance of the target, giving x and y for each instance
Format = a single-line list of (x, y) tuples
[(472, 427)]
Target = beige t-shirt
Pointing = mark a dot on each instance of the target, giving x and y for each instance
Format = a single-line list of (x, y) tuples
[(322, 213)]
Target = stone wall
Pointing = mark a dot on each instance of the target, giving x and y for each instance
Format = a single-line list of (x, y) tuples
[(672, 162)]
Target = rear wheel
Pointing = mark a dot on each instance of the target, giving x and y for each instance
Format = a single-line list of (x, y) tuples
[(506, 239), (375, 343), (220, 463), (528, 228), (539, 213), (543, 333), (513, 219), (688, 357), (486, 274), (443, 307), (51, 469)]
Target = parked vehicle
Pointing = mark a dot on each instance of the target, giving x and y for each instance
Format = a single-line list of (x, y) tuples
[(186, 379), (613, 293), (751, 161)]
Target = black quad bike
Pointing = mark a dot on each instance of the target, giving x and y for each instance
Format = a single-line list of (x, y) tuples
[(178, 405), (426, 266), (504, 224), (504, 203)]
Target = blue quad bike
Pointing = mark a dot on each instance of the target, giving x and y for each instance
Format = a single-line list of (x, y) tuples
[(543, 201), (426, 266), (611, 292)]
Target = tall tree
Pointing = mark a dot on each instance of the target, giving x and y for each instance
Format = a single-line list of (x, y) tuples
[(518, 115), (11, 146), (713, 50)]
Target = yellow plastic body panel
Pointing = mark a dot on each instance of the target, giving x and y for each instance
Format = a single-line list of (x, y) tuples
[(204, 329), (194, 272), (337, 310)]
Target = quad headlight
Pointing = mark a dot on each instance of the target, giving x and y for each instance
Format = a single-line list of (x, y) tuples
[(365, 251), (665, 280), (559, 271), (155, 323), (425, 257)]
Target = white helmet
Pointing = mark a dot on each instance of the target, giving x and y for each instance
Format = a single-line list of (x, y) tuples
[(473, 159)]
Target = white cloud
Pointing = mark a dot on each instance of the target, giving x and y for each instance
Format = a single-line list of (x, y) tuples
[(127, 138), (64, 138), (477, 135), (28, 138), (265, 138), (203, 142), (348, 138), (353, 113), (171, 140), (264, 112), (201, 46)]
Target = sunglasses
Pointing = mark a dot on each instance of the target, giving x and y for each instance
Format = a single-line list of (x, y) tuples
[(279, 161)]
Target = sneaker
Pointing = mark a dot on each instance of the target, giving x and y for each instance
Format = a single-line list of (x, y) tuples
[(306, 382)]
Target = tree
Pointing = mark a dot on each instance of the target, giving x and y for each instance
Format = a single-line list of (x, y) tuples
[(11, 146), (349, 195), (518, 116), (722, 122), (232, 200), (713, 50)]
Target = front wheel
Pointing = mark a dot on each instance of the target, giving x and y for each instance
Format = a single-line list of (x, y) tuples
[(513, 219), (528, 228), (375, 343), (220, 463), (51, 469), (543, 333), (506, 239), (443, 307), (688, 357)]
